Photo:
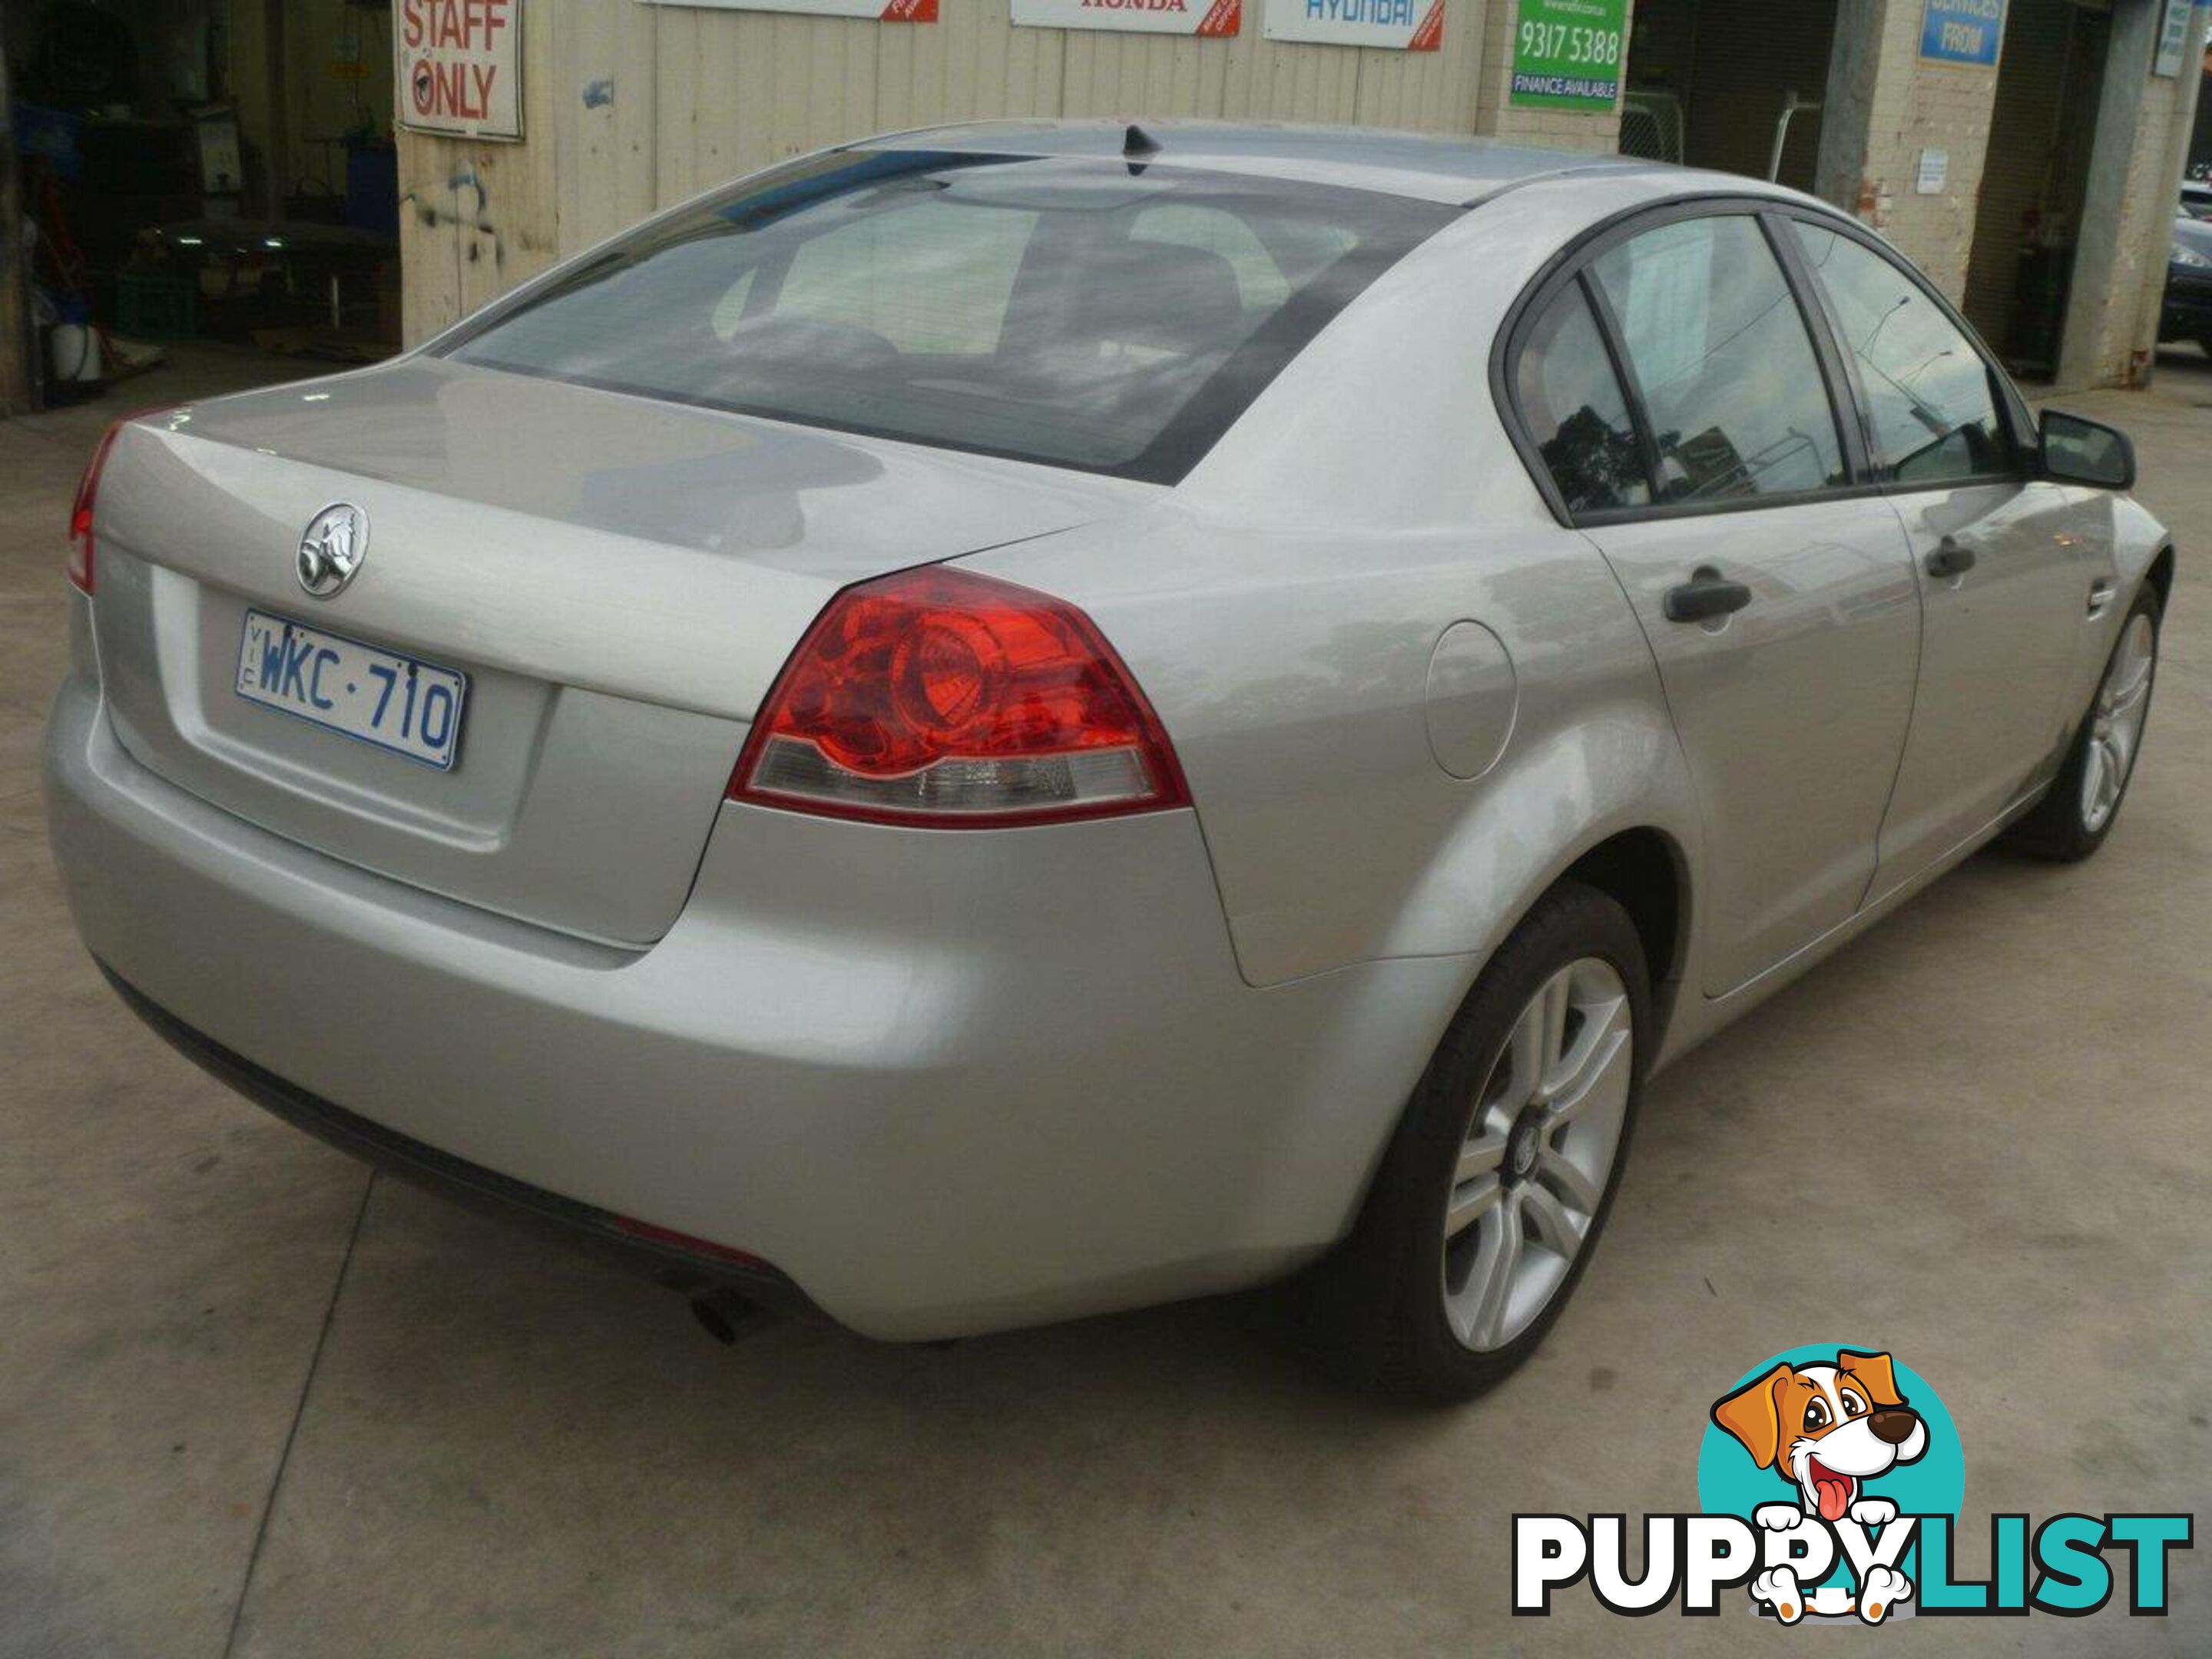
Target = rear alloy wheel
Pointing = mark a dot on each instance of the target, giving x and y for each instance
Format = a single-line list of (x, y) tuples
[(2073, 819), (1532, 1171), (1495, 1186)]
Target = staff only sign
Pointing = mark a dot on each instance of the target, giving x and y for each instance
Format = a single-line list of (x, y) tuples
[(1398, 25), (1205, 17), (459, 67)]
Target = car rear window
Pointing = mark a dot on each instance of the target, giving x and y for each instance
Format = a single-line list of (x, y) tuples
[(1112, 317)]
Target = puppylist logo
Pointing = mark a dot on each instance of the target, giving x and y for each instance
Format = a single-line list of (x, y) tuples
[(1830, 1482)]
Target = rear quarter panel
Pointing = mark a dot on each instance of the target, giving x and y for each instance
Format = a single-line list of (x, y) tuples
[(1282, 608)]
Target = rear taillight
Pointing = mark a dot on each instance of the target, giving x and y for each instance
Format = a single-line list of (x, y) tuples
[(940, 697), (78, 561)]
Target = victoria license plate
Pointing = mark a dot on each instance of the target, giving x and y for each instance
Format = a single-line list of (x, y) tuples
[(397, 702)]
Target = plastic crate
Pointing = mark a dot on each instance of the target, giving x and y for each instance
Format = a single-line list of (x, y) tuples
[(155, 305)]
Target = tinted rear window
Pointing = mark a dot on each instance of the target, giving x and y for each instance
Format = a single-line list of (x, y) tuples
[(1082, 313)]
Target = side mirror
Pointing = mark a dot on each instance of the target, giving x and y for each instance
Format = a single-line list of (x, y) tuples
[(2075, 450)]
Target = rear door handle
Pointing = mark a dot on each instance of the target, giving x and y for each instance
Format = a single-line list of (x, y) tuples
[(1950, 558), (1707, 594)]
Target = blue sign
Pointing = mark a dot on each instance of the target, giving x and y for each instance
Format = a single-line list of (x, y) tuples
[(1962, 31)]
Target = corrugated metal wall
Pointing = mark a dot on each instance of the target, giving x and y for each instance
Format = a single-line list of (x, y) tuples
[(631, 106)]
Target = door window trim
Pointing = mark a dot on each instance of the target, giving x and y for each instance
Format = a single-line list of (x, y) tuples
[(1572, 265), (2005, 397)]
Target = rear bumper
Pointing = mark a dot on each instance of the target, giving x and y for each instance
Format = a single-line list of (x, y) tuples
[(946, 1083), (485, 1191)]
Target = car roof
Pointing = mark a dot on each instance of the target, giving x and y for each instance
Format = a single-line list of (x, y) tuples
[(1449, 169)]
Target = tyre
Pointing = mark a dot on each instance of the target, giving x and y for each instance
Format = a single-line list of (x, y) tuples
[(2073, 819), (1498, 1180)]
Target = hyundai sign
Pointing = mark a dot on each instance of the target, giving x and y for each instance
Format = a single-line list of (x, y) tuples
[(1962, 31)]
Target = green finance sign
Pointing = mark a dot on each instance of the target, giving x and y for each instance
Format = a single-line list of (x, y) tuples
[(1567, 54)]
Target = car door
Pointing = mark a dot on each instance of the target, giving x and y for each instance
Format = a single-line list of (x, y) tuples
[(2006, 562), (1776, 593)]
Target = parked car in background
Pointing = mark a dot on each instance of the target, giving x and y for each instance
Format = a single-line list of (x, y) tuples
[(1034, 718), (2187, 314)]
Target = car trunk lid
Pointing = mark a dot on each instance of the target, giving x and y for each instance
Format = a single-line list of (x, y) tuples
[(620, 580)]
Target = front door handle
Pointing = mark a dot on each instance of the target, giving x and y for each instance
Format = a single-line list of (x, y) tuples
[(1950, 558), (1707, 594)]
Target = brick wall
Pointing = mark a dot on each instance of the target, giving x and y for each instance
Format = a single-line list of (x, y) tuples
[(1913, 107), (1918, 107)]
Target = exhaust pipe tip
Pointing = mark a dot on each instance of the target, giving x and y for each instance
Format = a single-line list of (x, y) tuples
[(725, 1315)]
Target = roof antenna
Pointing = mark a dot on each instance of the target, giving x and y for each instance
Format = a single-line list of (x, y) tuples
[(1138, 147)]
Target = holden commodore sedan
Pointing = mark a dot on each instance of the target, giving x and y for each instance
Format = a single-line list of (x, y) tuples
[(1034, 718)]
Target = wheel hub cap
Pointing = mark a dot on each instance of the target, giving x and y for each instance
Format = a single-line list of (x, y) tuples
[(1520, 1146)]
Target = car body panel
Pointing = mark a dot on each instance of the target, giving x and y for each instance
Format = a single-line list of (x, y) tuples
[(832, 507), (1282, 607), (1292, 667), (1996, 699), (1793, 713), (620, 580), (1425, 167), (554, 780), (1028, 1086)]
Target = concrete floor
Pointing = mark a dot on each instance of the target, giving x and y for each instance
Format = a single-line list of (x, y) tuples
[(254, 1401)]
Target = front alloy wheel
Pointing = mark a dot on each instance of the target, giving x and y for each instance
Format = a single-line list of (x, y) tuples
[(2116, 722), (2078, 811)]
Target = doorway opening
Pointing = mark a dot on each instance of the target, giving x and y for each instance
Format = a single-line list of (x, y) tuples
[(1732, 84), (2027, 224)]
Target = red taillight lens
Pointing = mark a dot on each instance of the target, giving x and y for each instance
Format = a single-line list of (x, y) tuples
[(78, 561), (941, 697)]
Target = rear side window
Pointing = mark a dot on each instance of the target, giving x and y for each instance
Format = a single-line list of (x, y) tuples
[(1927, 391), (1080, 312), (1572, 404), (1729, 379)]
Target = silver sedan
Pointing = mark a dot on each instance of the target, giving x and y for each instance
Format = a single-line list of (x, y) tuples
[(1028, 719)]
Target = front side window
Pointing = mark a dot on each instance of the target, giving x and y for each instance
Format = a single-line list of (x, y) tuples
[(1079, 313), (1730, 382), (1572, 404), (1927, 393)]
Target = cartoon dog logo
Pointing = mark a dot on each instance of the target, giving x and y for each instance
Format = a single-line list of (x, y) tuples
[(1827, 1430)]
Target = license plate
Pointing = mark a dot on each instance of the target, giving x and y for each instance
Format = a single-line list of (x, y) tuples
[(399, 703)]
